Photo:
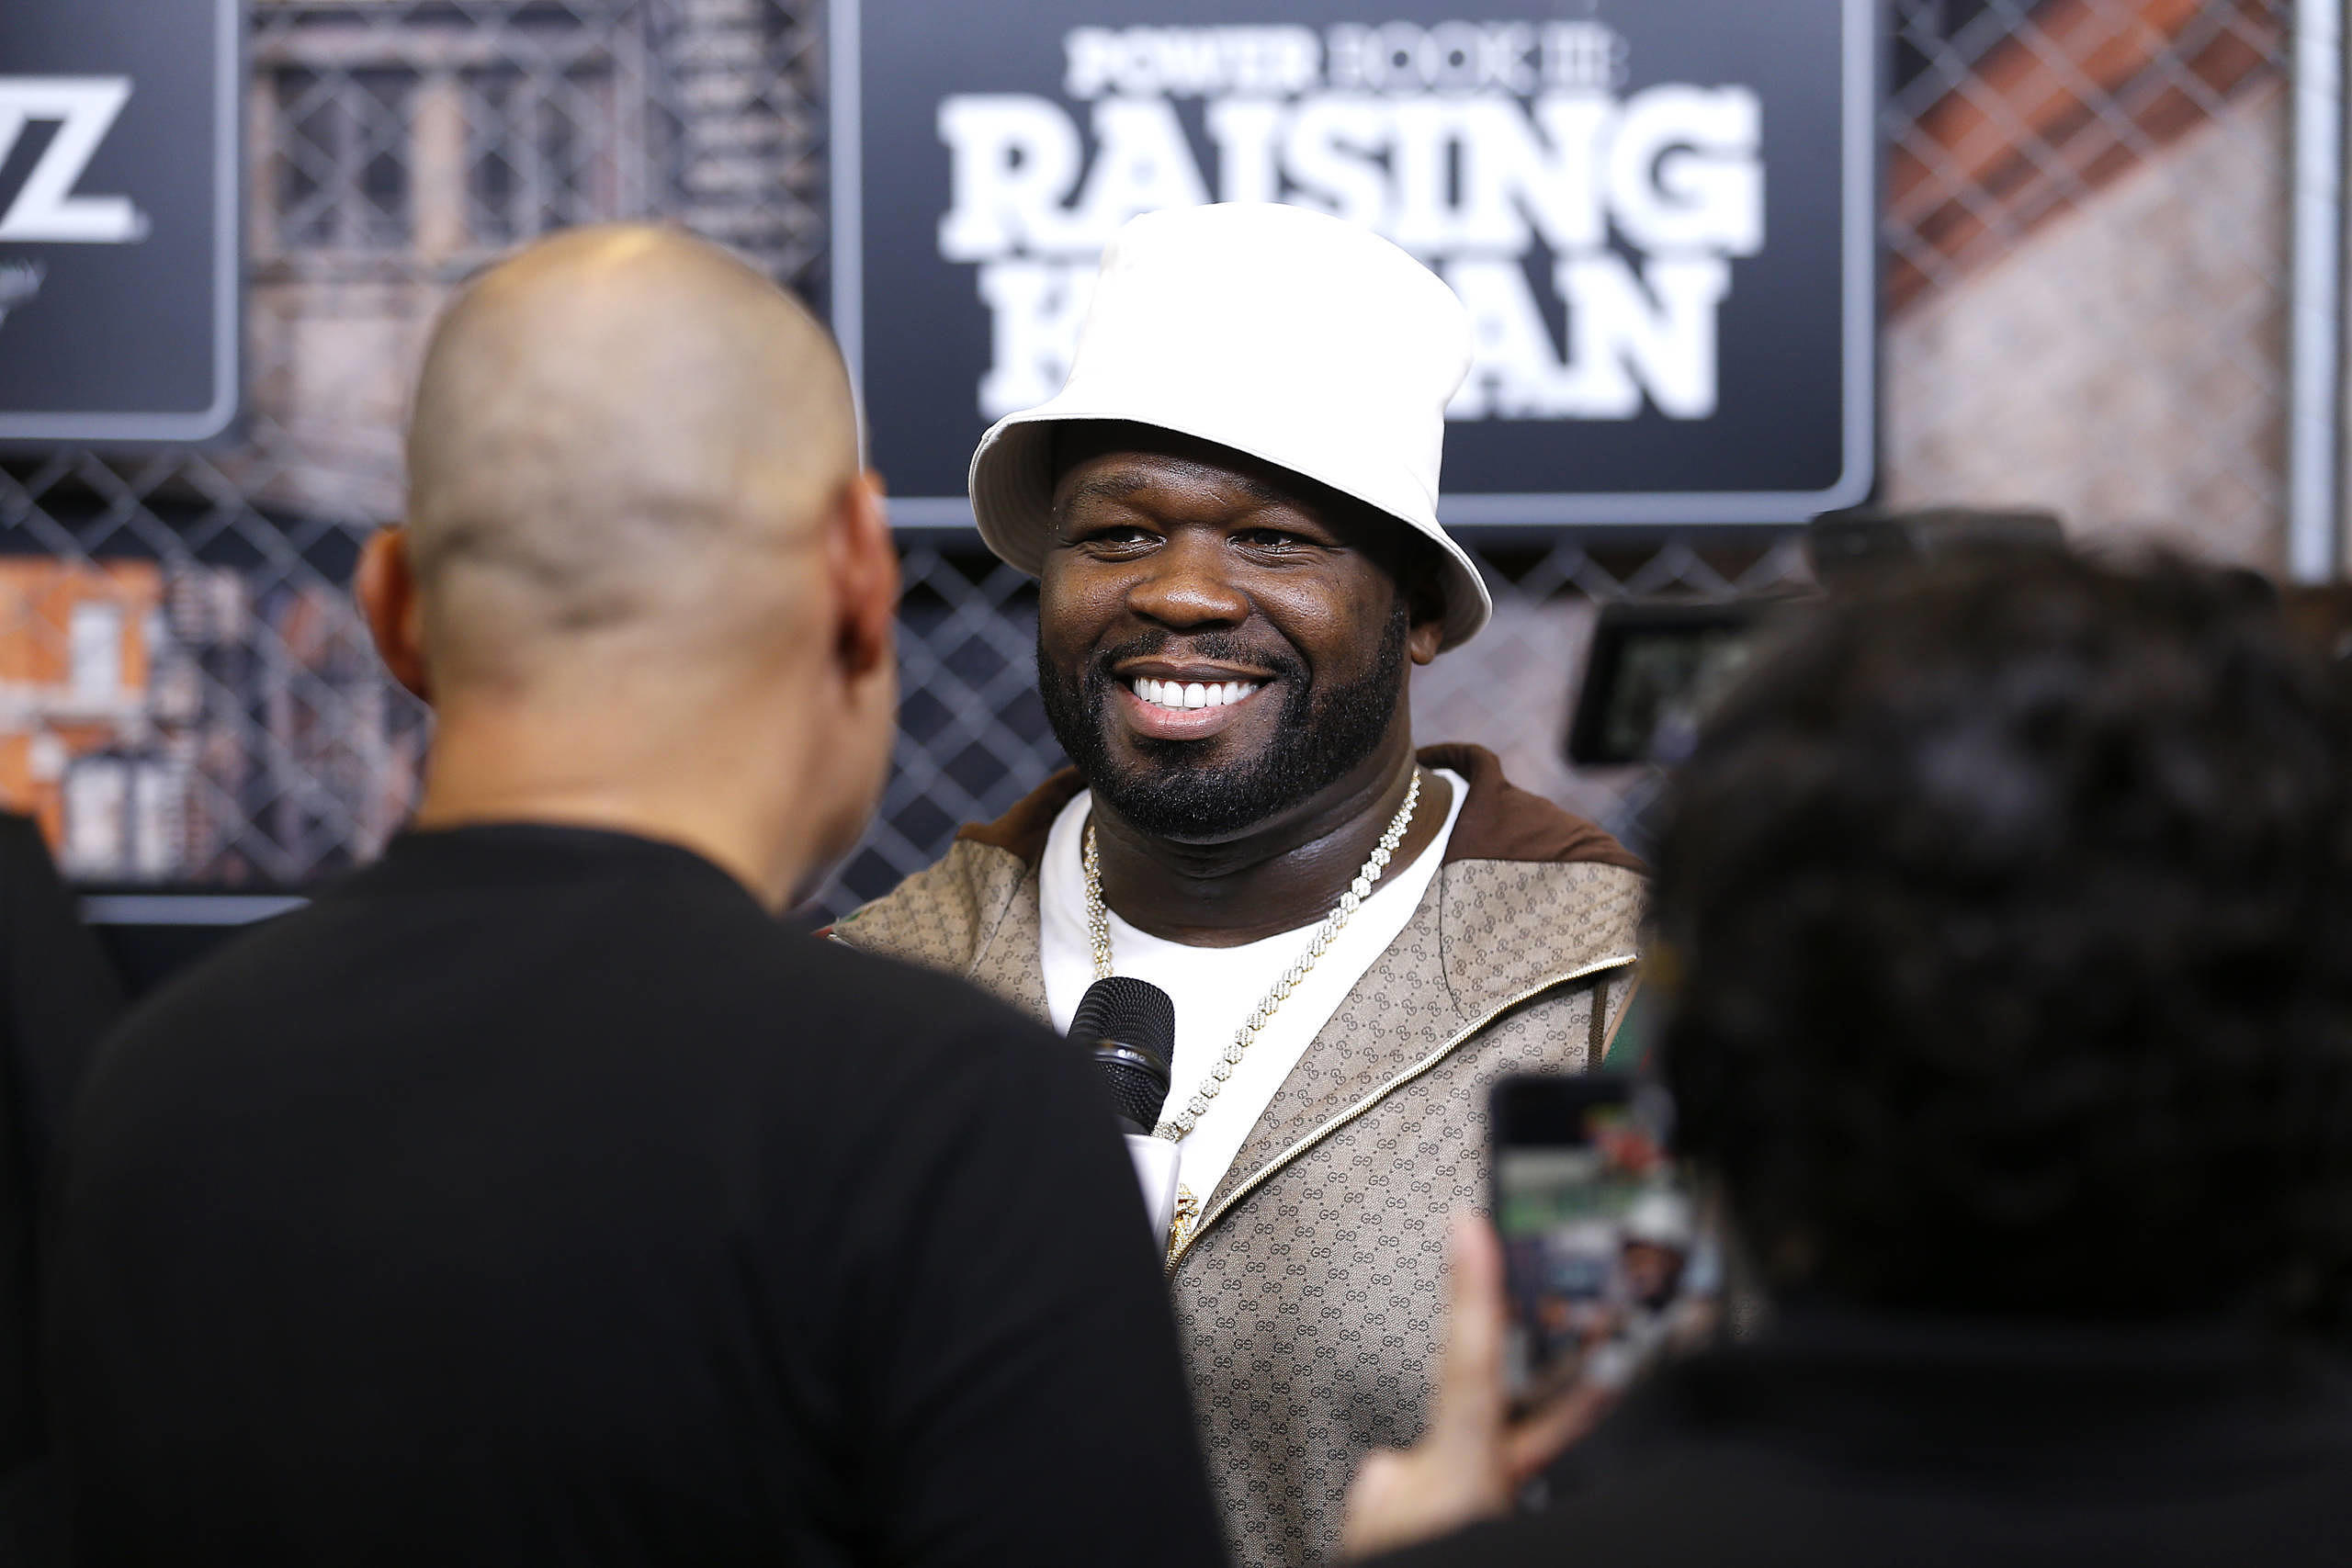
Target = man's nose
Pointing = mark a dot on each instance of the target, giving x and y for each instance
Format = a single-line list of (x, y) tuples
[(1187, 582)]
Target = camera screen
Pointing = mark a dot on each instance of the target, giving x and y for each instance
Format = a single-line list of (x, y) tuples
[(1607, 1263), (1667, 683), (1654, 674)]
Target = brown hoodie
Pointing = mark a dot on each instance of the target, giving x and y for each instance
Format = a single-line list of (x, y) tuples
[(1311, 1293)]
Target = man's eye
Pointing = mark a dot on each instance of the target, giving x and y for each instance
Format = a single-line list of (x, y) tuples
[(1269, 539), (1116, 537)]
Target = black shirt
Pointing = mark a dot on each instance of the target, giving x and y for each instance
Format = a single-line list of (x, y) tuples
[(57, 996), (534, 1197), (1849, 1440)]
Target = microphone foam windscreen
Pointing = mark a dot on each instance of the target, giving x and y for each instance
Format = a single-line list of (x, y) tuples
[(1131, 1011), (1129, 1026)]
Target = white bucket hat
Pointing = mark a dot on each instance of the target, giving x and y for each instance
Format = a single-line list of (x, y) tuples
[(1661, 1219), (1297, 338)]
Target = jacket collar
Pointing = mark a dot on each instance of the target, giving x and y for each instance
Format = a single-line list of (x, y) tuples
[(1472, 949), (1500, 820), (1528, 899)]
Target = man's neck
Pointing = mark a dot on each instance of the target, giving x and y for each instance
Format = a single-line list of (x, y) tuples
[(1284, 875), (486, 767)]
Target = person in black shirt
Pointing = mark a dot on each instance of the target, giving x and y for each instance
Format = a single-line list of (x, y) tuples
[(536, 1195), (2003, 920), (58, 995)]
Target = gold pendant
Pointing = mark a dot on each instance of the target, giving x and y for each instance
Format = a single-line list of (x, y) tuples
[(1180, 1225)]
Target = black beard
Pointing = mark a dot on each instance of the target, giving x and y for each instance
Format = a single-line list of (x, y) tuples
[(1324, 734)]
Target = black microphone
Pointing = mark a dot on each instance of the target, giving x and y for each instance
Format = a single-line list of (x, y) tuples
[(1128, 1026)]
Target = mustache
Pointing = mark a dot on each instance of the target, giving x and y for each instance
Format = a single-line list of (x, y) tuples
[(1223, 648)]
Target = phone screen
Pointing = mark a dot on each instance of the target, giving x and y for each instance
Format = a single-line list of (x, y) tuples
[(1607, 1265)]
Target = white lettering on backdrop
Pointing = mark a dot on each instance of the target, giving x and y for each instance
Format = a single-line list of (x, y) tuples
[(1471, 144), (45, 207)]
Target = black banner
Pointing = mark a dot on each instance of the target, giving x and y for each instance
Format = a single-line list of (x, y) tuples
[(1661, 215), (120, 286)]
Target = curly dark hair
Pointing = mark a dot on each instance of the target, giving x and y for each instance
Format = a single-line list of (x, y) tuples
[(2006, 921)]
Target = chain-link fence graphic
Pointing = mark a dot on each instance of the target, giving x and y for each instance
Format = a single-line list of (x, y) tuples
[(2085, 231)]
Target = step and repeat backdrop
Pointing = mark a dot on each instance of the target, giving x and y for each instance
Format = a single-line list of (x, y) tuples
[(1729, 265)]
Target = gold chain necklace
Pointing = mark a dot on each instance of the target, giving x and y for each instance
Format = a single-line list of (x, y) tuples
[(1098, 931)]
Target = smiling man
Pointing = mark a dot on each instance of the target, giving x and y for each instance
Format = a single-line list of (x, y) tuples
[(1231, 511)]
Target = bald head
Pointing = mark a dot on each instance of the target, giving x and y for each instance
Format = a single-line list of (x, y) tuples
[(623, 436)]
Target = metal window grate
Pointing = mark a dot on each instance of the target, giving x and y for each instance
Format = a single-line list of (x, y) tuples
[(343, 170)]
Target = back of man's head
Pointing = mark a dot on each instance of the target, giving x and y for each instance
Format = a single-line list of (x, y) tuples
[(642, 581), (2005, 917), (615, 432)]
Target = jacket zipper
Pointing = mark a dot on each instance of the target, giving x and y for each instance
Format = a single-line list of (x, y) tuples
[(1266, 1171)]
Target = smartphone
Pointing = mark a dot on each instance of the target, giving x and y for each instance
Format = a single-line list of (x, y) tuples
[(1607, 1265)]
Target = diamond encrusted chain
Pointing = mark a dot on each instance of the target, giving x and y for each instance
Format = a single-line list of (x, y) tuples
[(1098, 928)]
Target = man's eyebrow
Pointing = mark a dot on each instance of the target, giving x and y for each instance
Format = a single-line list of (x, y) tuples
[(1105, 487), (1119, 486)]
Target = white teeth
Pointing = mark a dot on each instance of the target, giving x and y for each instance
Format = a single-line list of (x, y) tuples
[(1193, 693)]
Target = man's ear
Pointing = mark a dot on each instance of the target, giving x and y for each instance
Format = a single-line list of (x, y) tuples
[(386, 589), (1424, 599), (865, 567)]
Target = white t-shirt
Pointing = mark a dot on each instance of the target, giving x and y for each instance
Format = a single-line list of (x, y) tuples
[(1215, 988)]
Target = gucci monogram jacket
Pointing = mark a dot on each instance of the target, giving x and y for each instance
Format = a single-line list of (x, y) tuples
[(1310, 1295)]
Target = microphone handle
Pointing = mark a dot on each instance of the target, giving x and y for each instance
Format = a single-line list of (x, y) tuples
[(1155, 1161)]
